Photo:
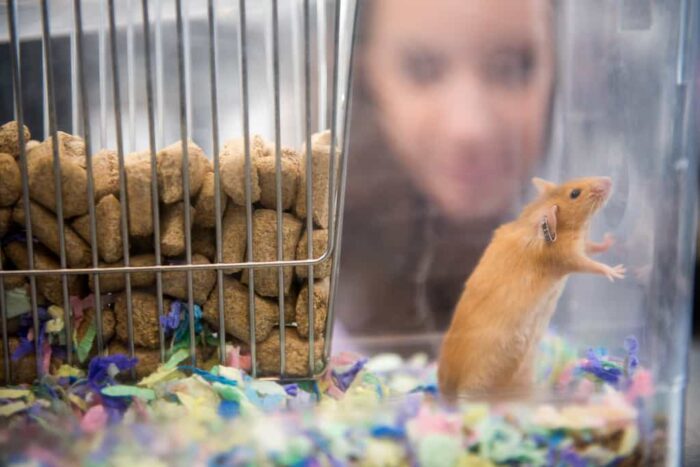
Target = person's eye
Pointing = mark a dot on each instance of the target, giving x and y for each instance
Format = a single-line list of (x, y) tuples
[(511, 69), (421, 67)]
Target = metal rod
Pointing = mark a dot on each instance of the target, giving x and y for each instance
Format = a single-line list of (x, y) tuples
[(159, 74), (217, 175), (309, 182), (46, 40), (169, 268), (84, 110), (130, 70), (188, 62), (17, 91), (331, 169), (185, 172), (102, 74), (75, 118), (322, 64), (154, 171), (334, 133), (5, 343), (341, 192), (248, 197), (122, 178), (44, 97), (278, 180)]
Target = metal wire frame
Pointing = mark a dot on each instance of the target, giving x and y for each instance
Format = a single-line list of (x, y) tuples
[(335, 194)]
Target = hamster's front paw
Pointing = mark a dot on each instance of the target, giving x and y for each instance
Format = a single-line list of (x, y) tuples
[(602, 247), (615, 272)]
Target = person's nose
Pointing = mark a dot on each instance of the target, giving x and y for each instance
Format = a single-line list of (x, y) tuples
[(467, 116)]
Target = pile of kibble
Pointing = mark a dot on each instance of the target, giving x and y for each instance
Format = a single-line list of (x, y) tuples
[(109, 241)]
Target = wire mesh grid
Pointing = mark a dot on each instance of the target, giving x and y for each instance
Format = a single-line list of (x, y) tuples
[(314, 51)]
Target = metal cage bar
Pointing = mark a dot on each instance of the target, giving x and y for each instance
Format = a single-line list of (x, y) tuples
[(154, 168), (84, 110)]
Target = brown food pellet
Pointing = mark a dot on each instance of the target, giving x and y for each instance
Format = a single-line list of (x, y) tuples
[(236, 312), (289, 179), (233, 170), (146, 322), (320, 160), (31, 144), (205, 203), (137, 168), (15, 282), (204, 242), (9, 138), (319, 240), (116, 282), (73, 179), (10, 180), (24, 370), (296, 354), (321, 289), (172, 229), (5, 220), (48, 286), (149, 359), (175, 282), (265, 249), (234, 234), (108, 324), (73, 147), (170, 171), (105, 172), (45, 229), (108, 226)]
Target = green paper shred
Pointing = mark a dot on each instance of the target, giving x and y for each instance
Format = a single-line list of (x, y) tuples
[(229, 393), (176, 358), (84, 346), (126, 391), (17, 302)]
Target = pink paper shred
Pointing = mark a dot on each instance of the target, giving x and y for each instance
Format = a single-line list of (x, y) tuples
[(642, 385), (78, 305), (428, 422), (46, 354), (234, 359), (94, 419)]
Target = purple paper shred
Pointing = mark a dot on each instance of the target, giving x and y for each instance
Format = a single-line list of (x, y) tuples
[(171, 320), (344, 380), (98, 371), (631, 345)]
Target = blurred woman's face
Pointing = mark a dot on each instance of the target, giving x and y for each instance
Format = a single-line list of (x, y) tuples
[(462, 89)]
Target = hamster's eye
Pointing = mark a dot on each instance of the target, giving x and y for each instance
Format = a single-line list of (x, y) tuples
[(574, 193)]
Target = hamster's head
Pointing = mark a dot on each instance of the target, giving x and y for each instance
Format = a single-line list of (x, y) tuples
[(569, 206)]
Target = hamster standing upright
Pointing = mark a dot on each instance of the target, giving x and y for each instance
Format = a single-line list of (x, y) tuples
[(510, 297)]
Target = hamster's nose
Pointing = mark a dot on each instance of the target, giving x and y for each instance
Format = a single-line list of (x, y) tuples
[(603, 185)]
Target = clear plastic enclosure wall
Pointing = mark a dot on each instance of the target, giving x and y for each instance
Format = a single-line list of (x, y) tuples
[(457, 106)]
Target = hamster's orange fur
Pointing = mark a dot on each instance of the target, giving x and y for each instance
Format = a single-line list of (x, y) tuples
[(510, 297)]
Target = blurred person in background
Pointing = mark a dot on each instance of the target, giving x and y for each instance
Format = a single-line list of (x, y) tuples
[(450, 117)]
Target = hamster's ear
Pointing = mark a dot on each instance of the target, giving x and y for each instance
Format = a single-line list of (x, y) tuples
[(547, 223), (542, 185)]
